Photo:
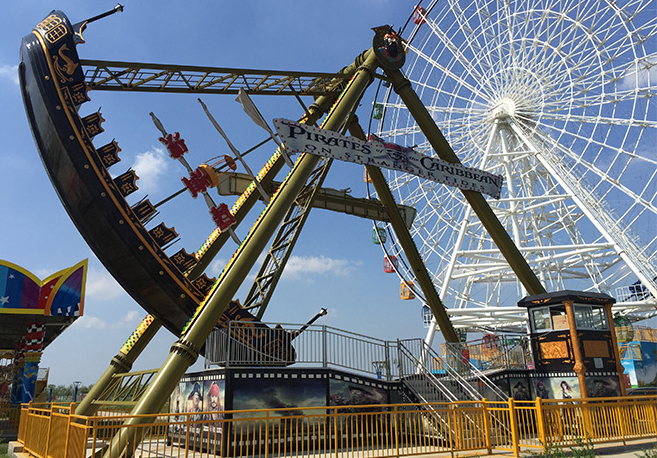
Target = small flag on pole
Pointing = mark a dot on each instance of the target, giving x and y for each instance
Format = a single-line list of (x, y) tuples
[(250, 109), (235, 151)]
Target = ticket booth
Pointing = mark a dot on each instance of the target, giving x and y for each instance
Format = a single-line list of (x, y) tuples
[(573, 331)]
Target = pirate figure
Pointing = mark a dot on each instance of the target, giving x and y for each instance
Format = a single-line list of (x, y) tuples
[(388, 47)]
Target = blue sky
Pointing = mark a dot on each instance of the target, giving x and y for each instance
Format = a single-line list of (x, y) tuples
[(335, 264)]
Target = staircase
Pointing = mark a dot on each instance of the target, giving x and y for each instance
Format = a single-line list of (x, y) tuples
[(438, 383), (432, 378), (443, 382)]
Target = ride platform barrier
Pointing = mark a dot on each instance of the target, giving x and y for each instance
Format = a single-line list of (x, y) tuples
[(9, 420), (437, 429)]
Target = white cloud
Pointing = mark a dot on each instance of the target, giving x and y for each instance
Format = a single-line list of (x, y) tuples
[(217, 267), (302, 266), (42, 273), (131, 316), (9, 72), (644, 74), (130, 319), (149, 167), (101, 285), (90, 322)]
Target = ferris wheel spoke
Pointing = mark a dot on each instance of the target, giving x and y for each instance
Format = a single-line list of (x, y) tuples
[(578, 52), (448, 72), (461, 96), (638, 72), (402, 132), (593, 77), (599, 119), (456, 110), (488, 30), (595, 18), (456, 49), (612, 99), (589, 164), (647, 204), (633, 78), (479, 51)]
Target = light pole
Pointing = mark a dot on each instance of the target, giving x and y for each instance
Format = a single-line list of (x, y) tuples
[(75, 393)]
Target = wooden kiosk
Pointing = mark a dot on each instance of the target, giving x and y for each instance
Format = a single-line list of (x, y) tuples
[(574, 331)]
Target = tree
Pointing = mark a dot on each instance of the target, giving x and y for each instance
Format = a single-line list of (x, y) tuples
[(64, 393)]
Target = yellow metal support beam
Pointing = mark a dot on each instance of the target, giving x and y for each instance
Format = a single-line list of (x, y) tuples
[(185, 351), (337, 200), (120, 363), (410, 250)]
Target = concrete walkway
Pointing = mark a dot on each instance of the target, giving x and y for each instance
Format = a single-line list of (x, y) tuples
[(634, 449), (631, 450)]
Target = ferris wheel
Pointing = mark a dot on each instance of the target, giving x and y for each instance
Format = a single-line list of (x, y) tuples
[(557, 98)]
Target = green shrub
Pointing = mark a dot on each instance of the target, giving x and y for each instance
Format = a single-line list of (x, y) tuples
[(583, 449), (652, 453), (551, 451)]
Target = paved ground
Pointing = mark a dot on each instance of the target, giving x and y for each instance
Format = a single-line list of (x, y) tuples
[(635, 449), (631, 450)]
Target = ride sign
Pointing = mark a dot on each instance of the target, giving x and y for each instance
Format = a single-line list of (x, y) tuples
[(303, 138)]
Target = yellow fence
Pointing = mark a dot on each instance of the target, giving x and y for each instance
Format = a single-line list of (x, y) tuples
[(9, 418), (340, 431)]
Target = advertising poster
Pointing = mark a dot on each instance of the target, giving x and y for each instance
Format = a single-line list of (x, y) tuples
[(215, 399), (640, 362), (204, 400), (186, 398), (344, 393), (193, 397), (176, 406), (647, 374), (348, 423), (555, 388), (284, 395), (502, 383), (602, 386), (280, 393), (303, 138), (520, 390)]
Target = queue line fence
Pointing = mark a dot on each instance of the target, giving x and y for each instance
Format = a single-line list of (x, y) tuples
[(398, 430)]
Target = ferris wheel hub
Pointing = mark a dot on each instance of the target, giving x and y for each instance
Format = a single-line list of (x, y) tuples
[(505, 108)]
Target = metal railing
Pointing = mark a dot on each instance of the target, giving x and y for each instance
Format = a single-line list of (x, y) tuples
[(9, 417), (425, 385), (344, 431), (439, 383), (423, 371), (241, 344), (458, 356), (496, 352), (280, 345), (440, 375)]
